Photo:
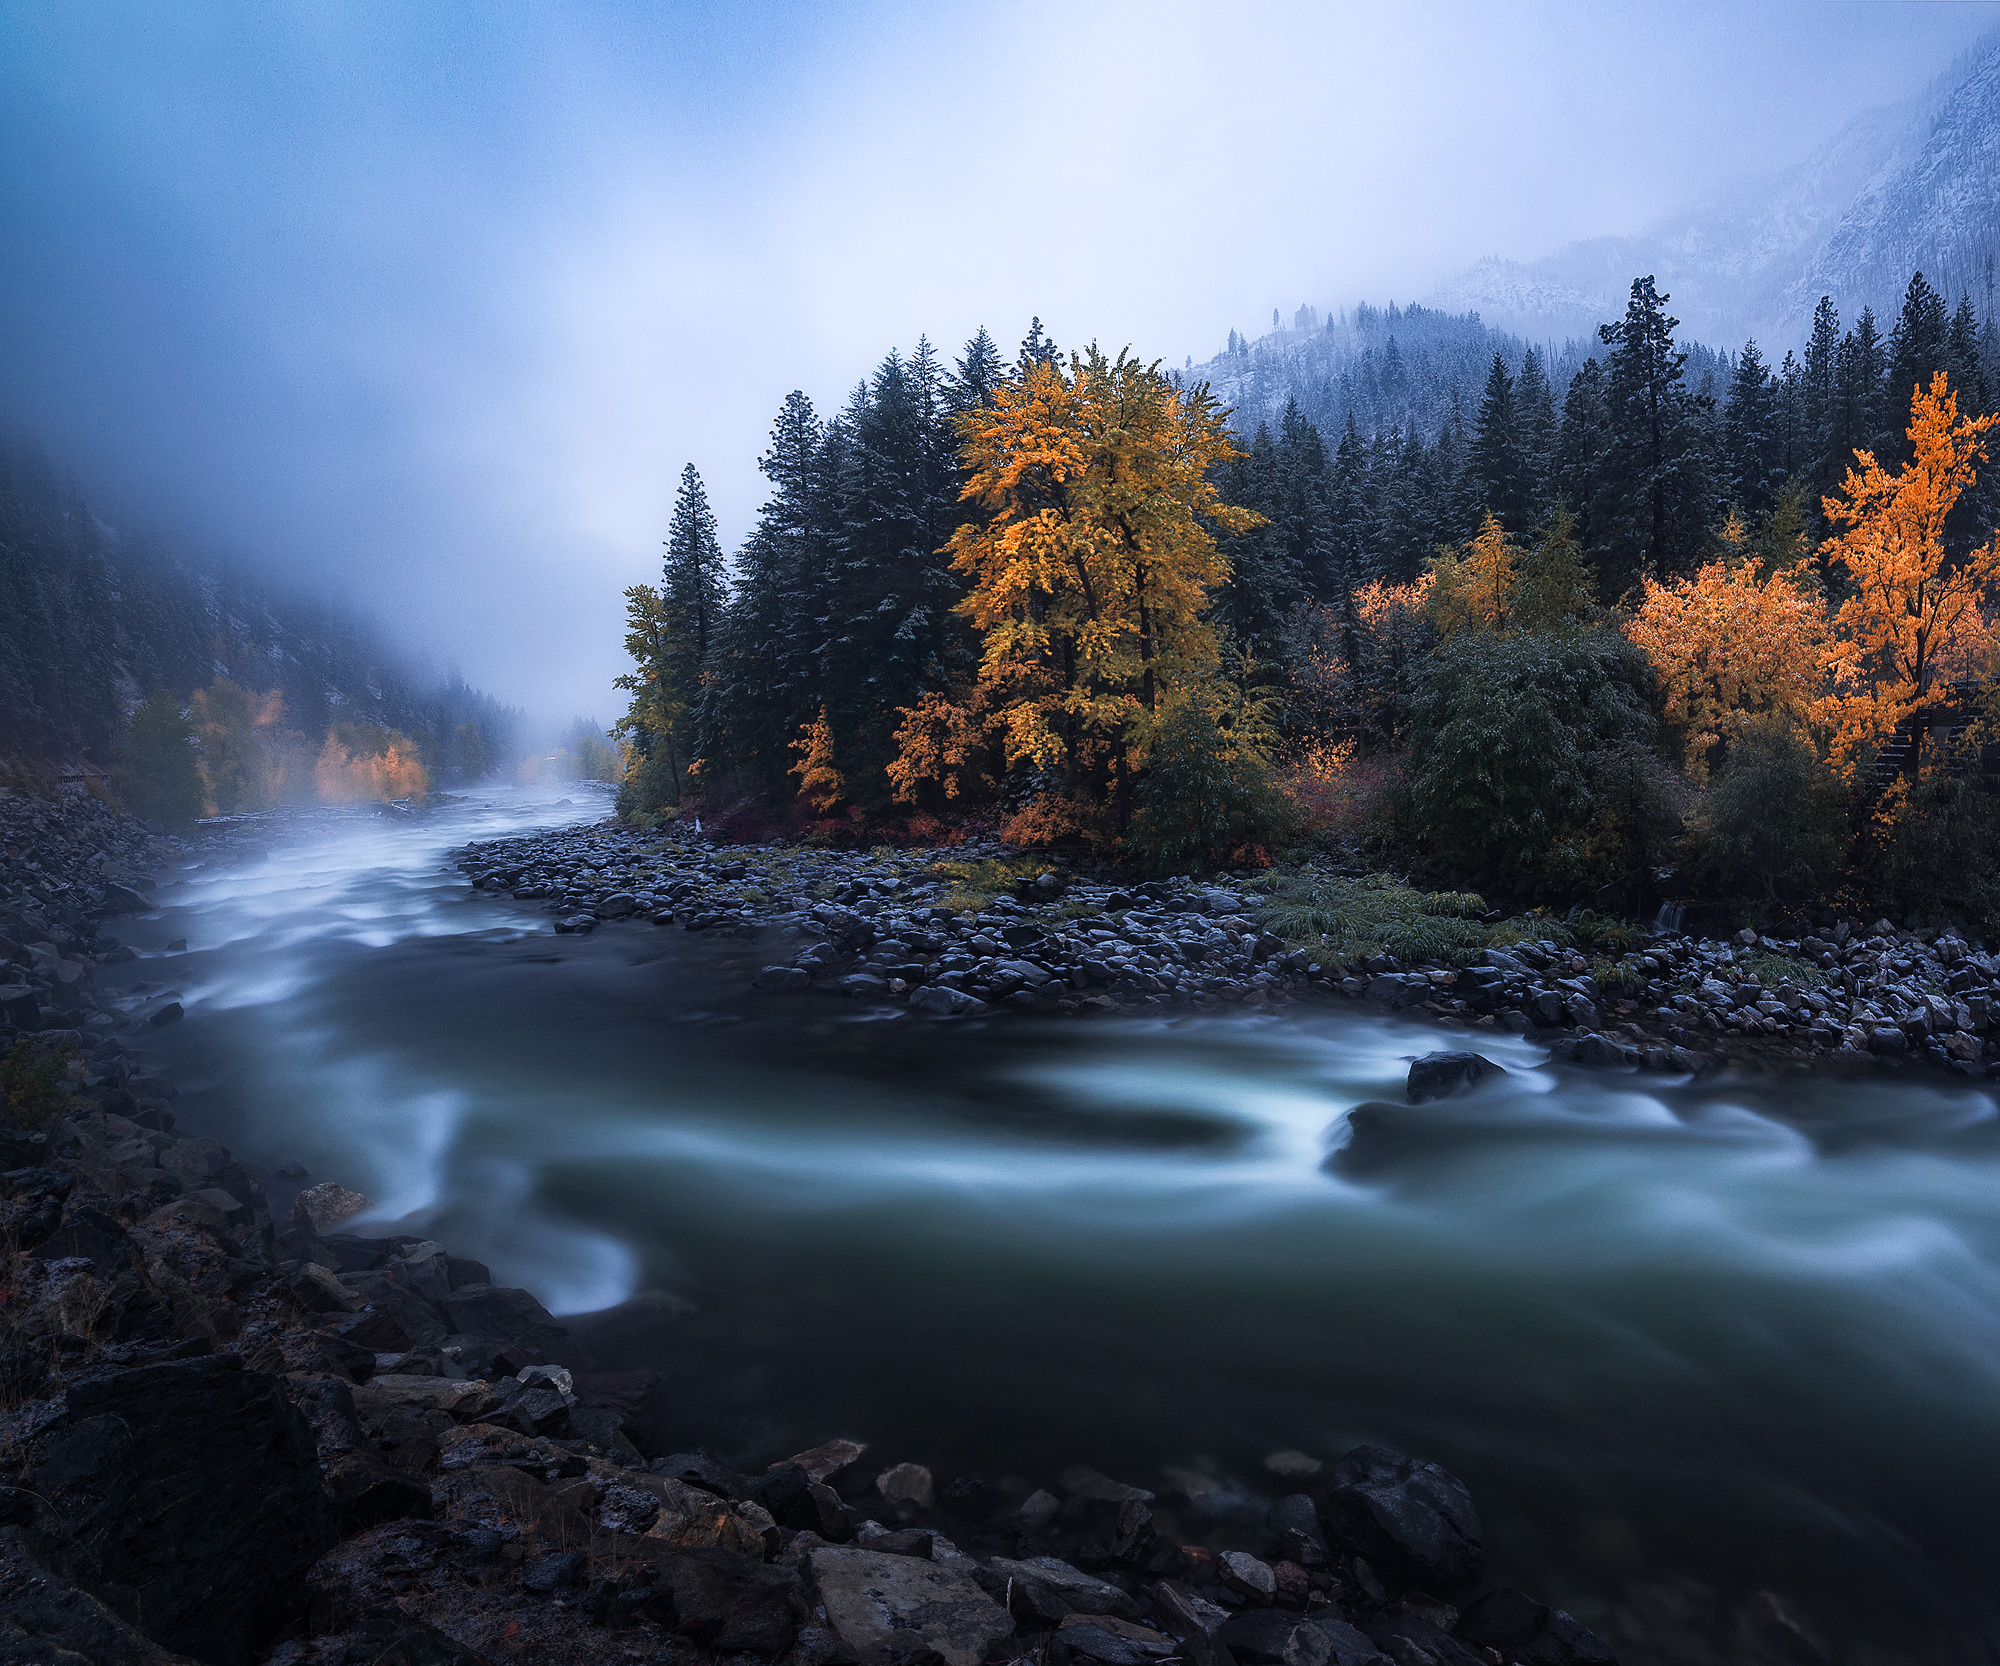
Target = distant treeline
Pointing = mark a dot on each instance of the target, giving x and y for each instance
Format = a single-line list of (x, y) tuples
[(93, 622)]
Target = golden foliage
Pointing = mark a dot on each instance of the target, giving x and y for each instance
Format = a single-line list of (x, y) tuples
[(940, 741), (1914, 616), (1730, 648), (1089, 572), (820, 784), (344, 774), (1474, 591)]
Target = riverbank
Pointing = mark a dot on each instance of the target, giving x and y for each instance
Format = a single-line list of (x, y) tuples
[(961, 932), (231, 1438)]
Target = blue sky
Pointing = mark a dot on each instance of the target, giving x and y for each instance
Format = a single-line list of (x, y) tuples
[(429, 304)]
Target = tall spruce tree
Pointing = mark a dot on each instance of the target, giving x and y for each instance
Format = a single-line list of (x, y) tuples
[(1657, 498), (1497, 457), (979, 371), (1752, 473), (1535, 417)]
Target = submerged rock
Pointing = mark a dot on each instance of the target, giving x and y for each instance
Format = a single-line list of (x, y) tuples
[(1437, 1074)]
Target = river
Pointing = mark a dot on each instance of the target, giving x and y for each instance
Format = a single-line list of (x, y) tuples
[(1688, 1343)]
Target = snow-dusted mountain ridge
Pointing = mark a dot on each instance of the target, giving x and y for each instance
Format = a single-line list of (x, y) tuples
[(1913, 186)]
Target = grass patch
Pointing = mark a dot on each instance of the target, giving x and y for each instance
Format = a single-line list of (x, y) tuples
[(1353, 917), (1770, 970), (975, 884), (1622, 977)]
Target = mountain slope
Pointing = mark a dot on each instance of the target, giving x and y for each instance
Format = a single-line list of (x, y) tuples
[(1911, 186)]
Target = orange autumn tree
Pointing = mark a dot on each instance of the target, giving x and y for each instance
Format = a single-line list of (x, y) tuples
[(820, 783), (1732, 649), (1474, 590), (1089, 575), (1916, 615)]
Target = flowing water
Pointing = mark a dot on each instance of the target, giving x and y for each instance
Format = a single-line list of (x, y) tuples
[(1688, 1343)]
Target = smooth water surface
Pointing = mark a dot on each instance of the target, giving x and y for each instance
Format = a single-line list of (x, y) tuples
[(1688, 1343)]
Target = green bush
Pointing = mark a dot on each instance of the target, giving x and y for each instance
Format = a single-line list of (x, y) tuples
[(1531, 761), (1204, 796), (1940, 858), (156, 776), (1775, 821)]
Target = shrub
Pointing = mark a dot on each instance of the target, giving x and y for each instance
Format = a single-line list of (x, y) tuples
[(1775, 821), (156, 775), (1531, 761), (1939, 855), (1204, 796)]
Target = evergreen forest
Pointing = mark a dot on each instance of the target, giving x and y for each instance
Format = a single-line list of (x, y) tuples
[(1561, 624)]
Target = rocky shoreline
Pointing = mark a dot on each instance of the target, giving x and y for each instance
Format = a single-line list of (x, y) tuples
[(884, 927)]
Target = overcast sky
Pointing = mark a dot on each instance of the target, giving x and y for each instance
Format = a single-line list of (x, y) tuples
[(431, 303)]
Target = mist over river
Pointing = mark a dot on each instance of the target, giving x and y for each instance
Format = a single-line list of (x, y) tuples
[(1686, 1343)]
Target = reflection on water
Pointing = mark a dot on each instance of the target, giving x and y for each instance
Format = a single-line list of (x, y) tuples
[(1687, 1341)]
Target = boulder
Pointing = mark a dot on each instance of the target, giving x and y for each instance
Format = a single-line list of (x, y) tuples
[(1079, 1592), (46, 1621), (944, 1001), (907, 1484), (1247, 1575), (782, 980), (1113, 1642), (364, 1492), (1531, 1633), (730, 1604), (1437, 1074), (1397, 990), (825, 1461), (190, 1492), (1080, 1481), (501, 1314), (323, 1207), (1411, 1518), (1295, 1522), (1411, 1640), (881, 1605), (864, 986)]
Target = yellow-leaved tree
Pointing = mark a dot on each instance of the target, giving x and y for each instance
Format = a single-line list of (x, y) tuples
[(1732, 650), (1916, 616), (1474, 590), (1089, 573)]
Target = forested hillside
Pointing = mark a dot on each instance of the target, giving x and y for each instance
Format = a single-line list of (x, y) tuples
[(1644, 607), (93, 622)]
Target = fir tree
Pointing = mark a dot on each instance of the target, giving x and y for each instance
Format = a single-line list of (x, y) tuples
[(978, 373), (1749, 434), (1496, 453)]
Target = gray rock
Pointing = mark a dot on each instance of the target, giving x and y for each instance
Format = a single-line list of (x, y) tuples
[(864, 986), (944, 1001), (1406, 1514), (907, 1484), (782, 980), (1114, 1642), (617, 906), (1247, 1575), (881, 1604), (1081, 1593), (1437, 1074), (323, 1207), (1398, 990)]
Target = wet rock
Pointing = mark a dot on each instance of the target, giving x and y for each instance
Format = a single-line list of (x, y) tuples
[(190, 1490), (825, 1461), (1406, 1515), (1601, 1052), (907, 1484), (504, 1315), (46, 1621), (364, 1491), (1412, 1640), (945, 1002), (1531, 1633), (1436, 1075), (1247, 1575), (1114, 1642), (864, 986), (1080, 1481), (880, 1606), (1295, 1522), (785, 1491), (1080, 1593), (1397, 990), (782, 980), (323, 1207), (698, 1470), (732, 1604)]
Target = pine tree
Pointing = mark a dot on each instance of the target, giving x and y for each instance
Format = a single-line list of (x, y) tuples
[(1657, 490), (695, 587), (1582, 460), (156, 775), (1037, 348), (978, 373), (1535, 418), (1749, 434), (1496, 454), (1919, 347)]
